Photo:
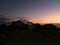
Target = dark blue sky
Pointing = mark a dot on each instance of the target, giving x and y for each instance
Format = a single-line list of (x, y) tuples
[(38, 10), (11, 7)]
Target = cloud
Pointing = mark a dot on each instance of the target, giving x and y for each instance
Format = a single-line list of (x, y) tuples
[(3, 19)]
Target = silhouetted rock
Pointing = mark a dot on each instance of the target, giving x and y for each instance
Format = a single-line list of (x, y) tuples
[(36, 27), (29, 29), (50, 28)]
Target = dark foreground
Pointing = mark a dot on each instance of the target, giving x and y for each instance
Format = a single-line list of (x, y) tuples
[(19, 33), (29, 38)]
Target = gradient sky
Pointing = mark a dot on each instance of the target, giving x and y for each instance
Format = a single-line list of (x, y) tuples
[(38, 11)]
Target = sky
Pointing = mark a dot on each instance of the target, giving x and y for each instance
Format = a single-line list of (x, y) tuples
[(36, 11)]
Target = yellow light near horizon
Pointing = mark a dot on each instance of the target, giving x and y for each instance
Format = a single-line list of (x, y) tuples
[(44, 20), (44, 16)]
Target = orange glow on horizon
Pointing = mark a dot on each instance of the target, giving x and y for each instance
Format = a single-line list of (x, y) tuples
[(46, 20), (44, 16)]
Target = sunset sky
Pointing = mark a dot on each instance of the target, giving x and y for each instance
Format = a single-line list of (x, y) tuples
[(36, 11)]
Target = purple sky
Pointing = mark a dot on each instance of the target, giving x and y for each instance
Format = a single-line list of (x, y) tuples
[(39, 11)]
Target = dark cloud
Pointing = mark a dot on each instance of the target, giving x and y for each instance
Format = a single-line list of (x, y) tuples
[(3, 19)]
